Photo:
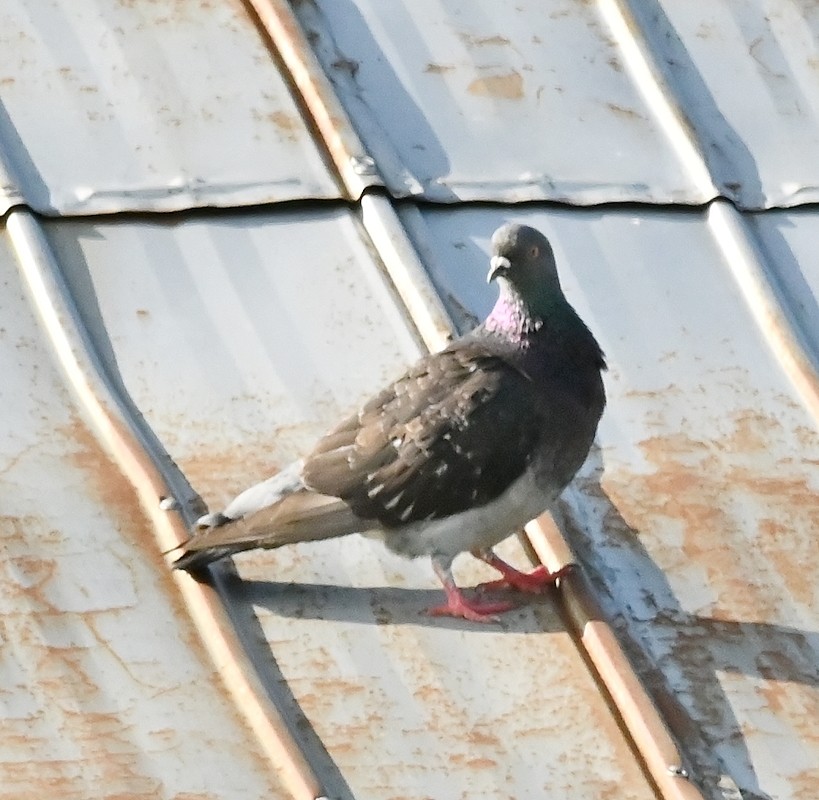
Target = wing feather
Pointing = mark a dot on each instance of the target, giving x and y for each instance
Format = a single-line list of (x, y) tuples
[(453, 433)]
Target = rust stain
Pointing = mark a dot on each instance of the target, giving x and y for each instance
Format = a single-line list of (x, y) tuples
[(804, 785), (484, 41), (109, 484), (28, 579), (187, 796), (64, 649), (622, 111), (743, 516), (286, 122), (505, 87), (477, 762), (438, 69), (476, 736)]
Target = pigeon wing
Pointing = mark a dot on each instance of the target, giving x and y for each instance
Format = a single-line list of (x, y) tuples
[(450, 435)]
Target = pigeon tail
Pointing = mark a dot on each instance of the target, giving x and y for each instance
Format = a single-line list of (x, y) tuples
[(303, 516), (264, 494), (194, 561)]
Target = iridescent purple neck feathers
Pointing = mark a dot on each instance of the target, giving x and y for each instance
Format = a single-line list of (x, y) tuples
[(511, 316)]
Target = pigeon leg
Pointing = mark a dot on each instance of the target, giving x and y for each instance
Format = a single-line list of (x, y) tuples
[(533, 582), (456, 604)]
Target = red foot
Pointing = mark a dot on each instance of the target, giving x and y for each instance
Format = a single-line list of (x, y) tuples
[(533, 582), (473, 610)]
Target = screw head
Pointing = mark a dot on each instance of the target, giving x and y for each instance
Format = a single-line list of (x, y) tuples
[(677, 771)]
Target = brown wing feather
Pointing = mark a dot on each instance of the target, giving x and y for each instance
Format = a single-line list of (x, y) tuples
[(451, 434)]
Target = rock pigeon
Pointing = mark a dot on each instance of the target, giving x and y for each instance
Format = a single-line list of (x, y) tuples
[(470, 444)]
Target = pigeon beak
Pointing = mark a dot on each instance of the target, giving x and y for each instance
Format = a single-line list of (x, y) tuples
[(498, 266)]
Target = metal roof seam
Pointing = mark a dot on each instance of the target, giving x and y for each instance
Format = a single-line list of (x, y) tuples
[(594, 634), (356, 167), (658, 93), (791, 342), (153, 475), (406, 270)]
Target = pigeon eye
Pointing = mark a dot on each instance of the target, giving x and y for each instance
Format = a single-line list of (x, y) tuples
[(534, 251)]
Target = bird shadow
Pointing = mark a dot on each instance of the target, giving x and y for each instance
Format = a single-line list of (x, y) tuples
[(244, 599), (383, 605), (680, 655)]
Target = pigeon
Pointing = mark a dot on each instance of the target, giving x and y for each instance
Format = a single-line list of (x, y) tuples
[(469, 445)]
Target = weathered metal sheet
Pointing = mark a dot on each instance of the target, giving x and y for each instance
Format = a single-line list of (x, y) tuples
[(697, 515), (746, 76), (579, 102), (506, 102), (789, 238), (104, 689), (242, 339), (158, 106)]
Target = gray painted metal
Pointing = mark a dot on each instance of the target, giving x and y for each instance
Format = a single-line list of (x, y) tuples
[(747, 78), (698, 513), (135, 107), (579, 102), (386, 701), (104, 687)]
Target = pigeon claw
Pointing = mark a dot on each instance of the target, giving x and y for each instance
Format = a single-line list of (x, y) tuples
[(473, 610), (534, 582)]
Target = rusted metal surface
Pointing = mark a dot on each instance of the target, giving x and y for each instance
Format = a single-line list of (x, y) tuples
[(82, 353), (105, 688), (578, 102), (663, 758), (695, 519), (697, 515), (385, 701), (768, 49), (495, 105), (156, 106), (355, 166)]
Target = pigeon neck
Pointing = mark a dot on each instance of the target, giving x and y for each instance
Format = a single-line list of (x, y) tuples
[(516, 318)]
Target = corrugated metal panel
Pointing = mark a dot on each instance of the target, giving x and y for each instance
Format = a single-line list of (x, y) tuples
[(578, 102), (387, 702), (104, 688), (505, 102), (698, 514), (747, 75), (789, 239), (159, 106)]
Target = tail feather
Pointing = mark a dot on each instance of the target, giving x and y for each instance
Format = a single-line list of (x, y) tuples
[(303, 516), (194, 560)]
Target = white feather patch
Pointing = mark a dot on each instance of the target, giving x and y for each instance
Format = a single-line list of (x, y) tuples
[(266, 493)]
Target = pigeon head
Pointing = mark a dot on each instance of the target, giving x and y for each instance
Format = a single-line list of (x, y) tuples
[(523, 256), (523, 265)]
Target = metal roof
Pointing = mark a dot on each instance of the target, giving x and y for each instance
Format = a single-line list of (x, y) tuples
[(134, 107), (582, 103), (158, 355), (344, 621), (698, 511), (104, 684)]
